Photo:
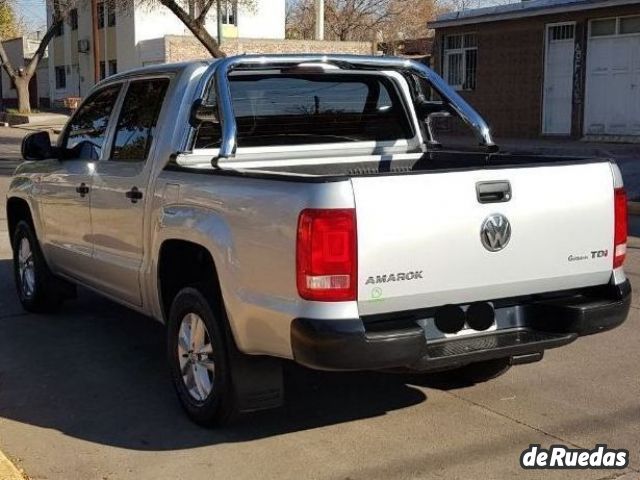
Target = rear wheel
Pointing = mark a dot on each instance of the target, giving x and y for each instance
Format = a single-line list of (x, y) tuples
[(38, 289), (199, 358)]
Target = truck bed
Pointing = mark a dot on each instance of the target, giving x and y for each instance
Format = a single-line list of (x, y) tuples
[(435, 161)]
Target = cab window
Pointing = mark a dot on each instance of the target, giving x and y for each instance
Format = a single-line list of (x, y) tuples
[(86, 133), (136, 127), (298, 109)]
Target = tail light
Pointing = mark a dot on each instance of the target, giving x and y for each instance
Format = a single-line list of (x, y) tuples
[(620, 236), (326, 257)]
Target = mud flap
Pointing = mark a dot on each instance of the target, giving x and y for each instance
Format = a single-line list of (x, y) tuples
[(257, 381)]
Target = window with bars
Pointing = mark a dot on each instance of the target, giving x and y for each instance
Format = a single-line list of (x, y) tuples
[(229, 9), (111, 15), (558, 33), (59, 30), (61, 77), (73, 19), (615, 26), (461, 60), (100, 15)]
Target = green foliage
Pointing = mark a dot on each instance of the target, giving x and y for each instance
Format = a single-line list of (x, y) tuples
[(8, 24)]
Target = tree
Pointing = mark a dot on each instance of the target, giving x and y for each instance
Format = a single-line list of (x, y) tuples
[(364, 20), (356, 20), (22, 75), (408, 19), (8, 24), (300, 19), (462, 5), (194, 13)]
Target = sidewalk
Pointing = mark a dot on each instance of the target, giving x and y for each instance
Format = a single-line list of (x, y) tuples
[(36, 121)]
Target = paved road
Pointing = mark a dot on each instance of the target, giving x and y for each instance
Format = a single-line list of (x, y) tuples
[(85, 394), (10, 141)]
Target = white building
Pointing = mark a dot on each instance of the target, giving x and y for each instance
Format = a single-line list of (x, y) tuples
[(132, 37)]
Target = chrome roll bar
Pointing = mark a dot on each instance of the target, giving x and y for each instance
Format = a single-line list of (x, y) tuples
[(221, 69)]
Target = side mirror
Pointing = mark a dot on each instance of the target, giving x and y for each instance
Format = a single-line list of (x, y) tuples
[(203, 113), (37, 146)]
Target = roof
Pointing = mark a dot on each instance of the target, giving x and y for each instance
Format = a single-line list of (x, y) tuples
[(522, 9), (159, 68)]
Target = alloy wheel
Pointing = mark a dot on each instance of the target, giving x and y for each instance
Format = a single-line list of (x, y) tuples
[(26, 268), (195, 353)]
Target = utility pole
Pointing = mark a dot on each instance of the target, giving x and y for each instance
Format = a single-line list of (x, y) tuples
[(319, 19), (96, 41), (219, 18)]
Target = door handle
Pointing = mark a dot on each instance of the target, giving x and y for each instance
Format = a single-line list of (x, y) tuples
[(134, 195), (82, 189), (493, 192)]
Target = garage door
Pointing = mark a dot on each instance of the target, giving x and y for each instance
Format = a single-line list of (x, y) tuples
[(613, 77)]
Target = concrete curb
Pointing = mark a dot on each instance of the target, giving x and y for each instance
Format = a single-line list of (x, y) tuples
[(8, 471)]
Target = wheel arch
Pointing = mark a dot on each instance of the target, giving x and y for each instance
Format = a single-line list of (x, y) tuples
[(181, 263), (17, 209)]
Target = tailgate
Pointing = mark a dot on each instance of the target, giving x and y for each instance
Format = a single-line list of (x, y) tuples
[(419, 235)]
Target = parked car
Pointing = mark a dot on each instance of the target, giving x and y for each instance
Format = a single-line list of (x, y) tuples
[(270, 208)]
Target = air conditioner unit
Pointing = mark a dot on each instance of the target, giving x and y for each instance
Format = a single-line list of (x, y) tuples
[(83, 46)]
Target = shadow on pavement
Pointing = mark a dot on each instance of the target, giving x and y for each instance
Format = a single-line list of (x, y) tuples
[(97, 371)]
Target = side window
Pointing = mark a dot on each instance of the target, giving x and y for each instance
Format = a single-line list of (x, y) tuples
[(87, 131), (138, 118), (208, 134)]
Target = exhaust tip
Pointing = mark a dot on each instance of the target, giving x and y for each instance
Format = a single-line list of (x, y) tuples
[(480, 316), (449, 319)]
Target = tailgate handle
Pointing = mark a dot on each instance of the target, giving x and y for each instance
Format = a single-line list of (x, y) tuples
[(493, 192)]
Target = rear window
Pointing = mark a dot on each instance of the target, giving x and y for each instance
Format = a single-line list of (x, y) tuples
[(285, 109)]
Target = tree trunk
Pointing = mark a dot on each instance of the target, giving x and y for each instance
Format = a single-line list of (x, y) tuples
[(196, 27), (208, 41), (22, 89)]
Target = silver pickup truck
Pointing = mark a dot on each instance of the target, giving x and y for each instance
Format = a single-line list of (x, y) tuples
[(270, 208)]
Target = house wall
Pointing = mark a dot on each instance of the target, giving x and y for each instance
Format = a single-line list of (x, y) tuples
[(510, 69), (265, 20), (181, 48), (63, 52)]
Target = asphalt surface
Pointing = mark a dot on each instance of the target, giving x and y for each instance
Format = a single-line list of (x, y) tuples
[(85, 394)]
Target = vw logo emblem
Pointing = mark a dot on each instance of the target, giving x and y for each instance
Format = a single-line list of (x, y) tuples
[(495, 232)]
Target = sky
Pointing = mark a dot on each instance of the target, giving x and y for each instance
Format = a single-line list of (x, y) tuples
[(32, 13)]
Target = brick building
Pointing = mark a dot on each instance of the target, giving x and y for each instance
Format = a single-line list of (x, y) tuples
[(176, 48), (547, 67)]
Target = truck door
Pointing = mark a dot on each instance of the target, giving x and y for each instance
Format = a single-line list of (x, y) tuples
[(119, 191), (64, 192)]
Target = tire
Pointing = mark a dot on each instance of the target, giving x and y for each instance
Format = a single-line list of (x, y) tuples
[(38, 289), (201, 375), (479, 372)]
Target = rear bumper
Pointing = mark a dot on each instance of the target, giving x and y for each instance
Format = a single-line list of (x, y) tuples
[(349, 345)]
